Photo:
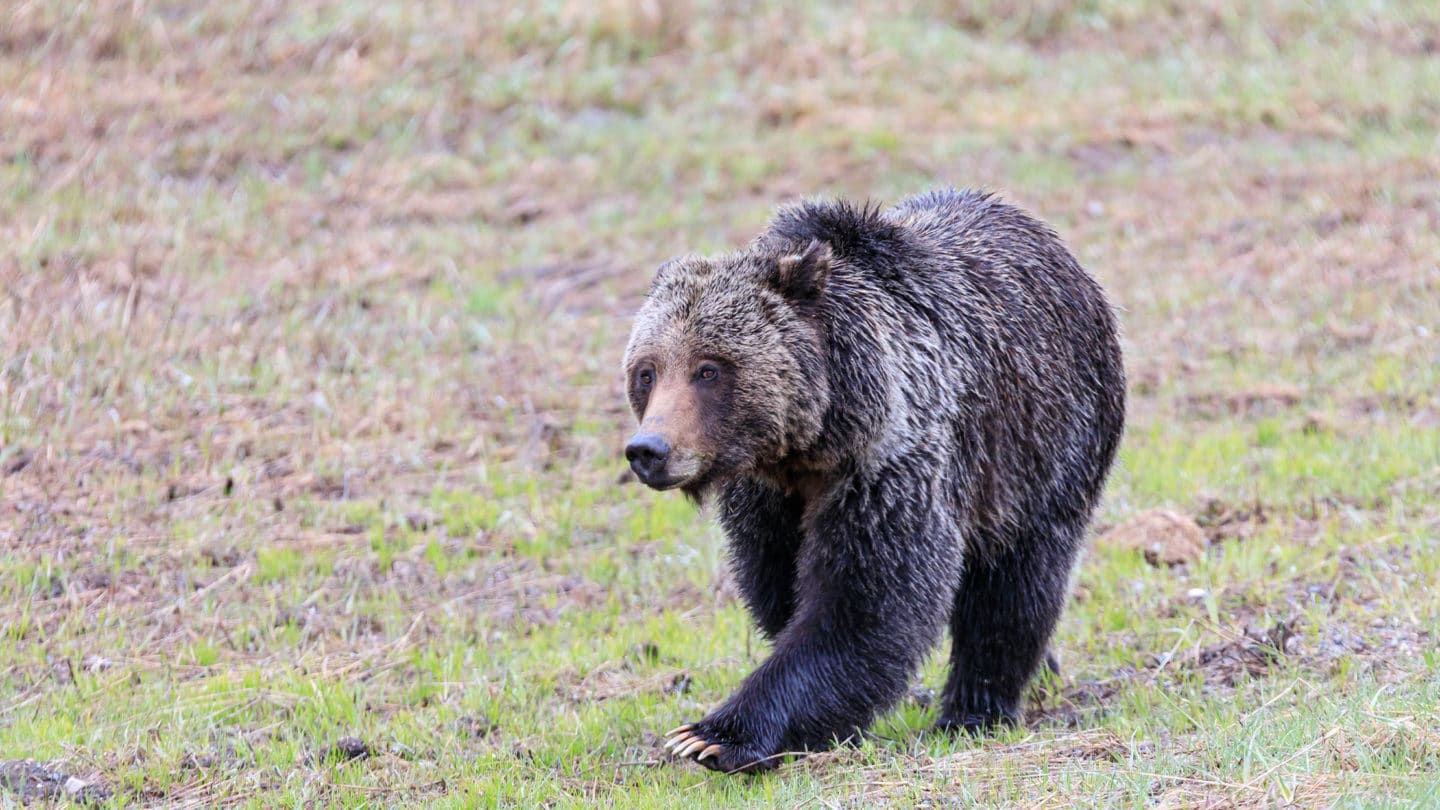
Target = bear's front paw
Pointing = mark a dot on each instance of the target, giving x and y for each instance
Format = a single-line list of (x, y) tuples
[(720, 746)]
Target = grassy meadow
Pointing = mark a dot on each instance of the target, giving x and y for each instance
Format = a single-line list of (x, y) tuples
[(311, 315)]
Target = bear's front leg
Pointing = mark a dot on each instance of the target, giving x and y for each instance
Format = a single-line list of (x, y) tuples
[(874, 578), (763, 526)]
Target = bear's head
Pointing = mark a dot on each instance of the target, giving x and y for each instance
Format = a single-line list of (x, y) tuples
[(726, 365)]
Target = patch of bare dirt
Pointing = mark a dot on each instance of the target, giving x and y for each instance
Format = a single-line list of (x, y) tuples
[(474, 727), (1251, 653), (342, 750), (32, 782), (1260, 400), (1224, 520)]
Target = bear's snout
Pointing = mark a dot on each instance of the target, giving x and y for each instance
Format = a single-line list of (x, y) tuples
[(647, 454)]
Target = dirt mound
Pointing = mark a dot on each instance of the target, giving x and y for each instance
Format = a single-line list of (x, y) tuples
[(1165, 536)]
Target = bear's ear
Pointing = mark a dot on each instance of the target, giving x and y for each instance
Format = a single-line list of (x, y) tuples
[(668, 266), (677, 267), (802, 276)]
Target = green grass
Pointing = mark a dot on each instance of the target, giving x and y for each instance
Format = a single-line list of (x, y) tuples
[(310, 326)]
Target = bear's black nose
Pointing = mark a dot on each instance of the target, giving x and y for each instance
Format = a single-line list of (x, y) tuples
[(647, 453)]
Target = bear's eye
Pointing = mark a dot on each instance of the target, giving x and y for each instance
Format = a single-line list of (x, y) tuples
[(707, 373), (646, 378)]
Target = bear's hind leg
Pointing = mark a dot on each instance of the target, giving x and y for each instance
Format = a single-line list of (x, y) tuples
[(1011, 593)]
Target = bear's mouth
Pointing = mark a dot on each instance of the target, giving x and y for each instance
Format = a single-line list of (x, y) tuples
[(663, 483), (675, 475), (672, 470)]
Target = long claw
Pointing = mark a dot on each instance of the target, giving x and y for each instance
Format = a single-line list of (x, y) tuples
[(672, 732), (674, 743), (694, 746), (710, 752)]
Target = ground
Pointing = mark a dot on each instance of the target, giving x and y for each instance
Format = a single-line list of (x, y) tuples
[(310, 407)]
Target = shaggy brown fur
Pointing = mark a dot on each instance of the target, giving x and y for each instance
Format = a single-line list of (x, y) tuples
[(905, 417)]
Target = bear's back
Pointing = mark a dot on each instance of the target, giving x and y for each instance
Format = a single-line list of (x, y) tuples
[(984, 319)]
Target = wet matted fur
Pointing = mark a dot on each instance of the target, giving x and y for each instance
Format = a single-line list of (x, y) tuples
[(903, 416)]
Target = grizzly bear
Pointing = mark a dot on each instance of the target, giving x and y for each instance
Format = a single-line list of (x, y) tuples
[(901, 416)]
